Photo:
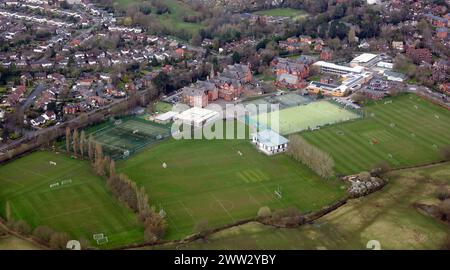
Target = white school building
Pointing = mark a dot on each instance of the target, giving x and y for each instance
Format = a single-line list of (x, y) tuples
[(269, 142)]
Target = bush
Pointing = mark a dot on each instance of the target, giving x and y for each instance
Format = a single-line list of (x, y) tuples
[(59, 240), (445, 152), (22, 227), (264, 211), (442, 193), (43, 233), (381, 167)]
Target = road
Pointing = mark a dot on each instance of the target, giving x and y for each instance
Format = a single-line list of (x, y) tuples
[(435, 96), (34, 94)]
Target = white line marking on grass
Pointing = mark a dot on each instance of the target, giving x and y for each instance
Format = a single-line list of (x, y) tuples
[(11, 181), (223, 207), (187, 210), (76, 211)]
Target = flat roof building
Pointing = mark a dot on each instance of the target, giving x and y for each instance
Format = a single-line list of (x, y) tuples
[(365, 60), (197, 116), (326, 67), (269, 142)]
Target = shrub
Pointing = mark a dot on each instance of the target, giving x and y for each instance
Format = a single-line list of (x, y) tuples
[(264, 211)]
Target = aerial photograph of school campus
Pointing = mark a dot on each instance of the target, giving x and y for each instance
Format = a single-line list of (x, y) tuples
[(224, 125)]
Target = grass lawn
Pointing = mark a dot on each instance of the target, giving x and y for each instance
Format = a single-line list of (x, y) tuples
[(283, 12), (14, 243), (407, 131), (174, 19), (209, 180), (162, 107), (80, 208), (386, 216), (299, 118)]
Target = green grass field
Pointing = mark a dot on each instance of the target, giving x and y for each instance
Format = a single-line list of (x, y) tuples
[(407, 131), (162, 107), (387, 216), (299, 118), (209, 180), (80, 208), (283, 12), (172, 20)]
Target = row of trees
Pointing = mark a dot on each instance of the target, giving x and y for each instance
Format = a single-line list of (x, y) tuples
[(130, 194), (119, 184), (314, 158), (44, 234)]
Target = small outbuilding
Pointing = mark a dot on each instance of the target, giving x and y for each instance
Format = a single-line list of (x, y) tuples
[(269, 142)]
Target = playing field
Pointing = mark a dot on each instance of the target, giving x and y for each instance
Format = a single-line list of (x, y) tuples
[(387, 216), (222, 181), (172, 20), (303, 117), (78, 205), (128, 134), (404, 130), (283, 12)]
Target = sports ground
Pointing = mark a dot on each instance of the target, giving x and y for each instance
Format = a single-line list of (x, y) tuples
[(77, 204), (387, 216), (404, 130), (303, 117), (120, 138), (222, 181)]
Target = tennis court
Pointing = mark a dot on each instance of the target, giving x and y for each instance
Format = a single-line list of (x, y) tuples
[(121, 138)]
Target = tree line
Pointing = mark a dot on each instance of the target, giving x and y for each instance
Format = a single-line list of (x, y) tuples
[(314, 158), (124, 189)]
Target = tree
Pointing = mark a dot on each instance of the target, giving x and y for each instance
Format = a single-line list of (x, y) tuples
[(444, 209), (156, 225), (112, 168), (311, 156), (75, 142), (264, 211), (445, 152), (236, 57), (44, 233), (82, 143), (161, 81), (99, 168), (8, 211), (91, 148), (68, 140), (59, 240), (22, 227), (351, 36)]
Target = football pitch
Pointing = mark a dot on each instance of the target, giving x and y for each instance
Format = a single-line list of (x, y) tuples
[(222, 181), (67, 197), (404, 130), (304, 117)]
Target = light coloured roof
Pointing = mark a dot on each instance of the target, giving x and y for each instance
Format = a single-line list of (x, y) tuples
[(197, 115), (356, 69), (364, 58), (166, 116), (270, 138)]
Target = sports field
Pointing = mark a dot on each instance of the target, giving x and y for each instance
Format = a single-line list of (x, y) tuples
[(172, 20), (404, 130), (283, 12), (387, 216), (77, 203), (123, 137), (222, 181), (303, 117)]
